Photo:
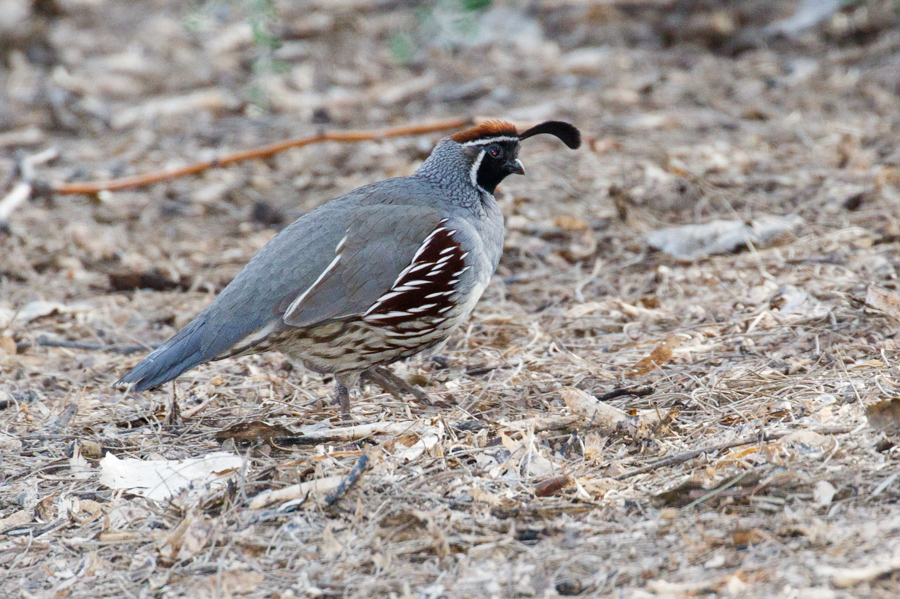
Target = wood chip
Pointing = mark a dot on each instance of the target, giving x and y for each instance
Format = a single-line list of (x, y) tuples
[(884, 300), (661, 354)]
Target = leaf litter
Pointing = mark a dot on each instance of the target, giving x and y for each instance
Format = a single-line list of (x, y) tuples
[(753, 462)]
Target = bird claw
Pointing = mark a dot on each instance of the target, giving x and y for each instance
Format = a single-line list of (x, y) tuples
[(395, 385)]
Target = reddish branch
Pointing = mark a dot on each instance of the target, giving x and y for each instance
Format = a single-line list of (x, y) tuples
[(94, 187)]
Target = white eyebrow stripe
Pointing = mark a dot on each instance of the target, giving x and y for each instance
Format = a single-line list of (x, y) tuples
[(478, 142)]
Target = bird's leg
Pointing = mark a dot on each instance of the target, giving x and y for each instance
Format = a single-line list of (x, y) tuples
[(394, 384), (173, 417), (342, 398)]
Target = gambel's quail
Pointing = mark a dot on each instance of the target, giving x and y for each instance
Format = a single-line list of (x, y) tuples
[(370, 278)]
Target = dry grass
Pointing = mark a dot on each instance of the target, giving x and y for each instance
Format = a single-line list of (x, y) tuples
[(772, 343)]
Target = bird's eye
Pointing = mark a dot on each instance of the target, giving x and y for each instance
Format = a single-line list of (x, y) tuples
[(495, 150)]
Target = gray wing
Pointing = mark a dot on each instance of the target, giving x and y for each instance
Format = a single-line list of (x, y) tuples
[(377, 244), (375, 231)]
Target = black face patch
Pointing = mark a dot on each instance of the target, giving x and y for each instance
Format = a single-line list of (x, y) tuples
[(497, 162)]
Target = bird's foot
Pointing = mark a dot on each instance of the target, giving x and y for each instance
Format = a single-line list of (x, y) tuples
[(394, 384)]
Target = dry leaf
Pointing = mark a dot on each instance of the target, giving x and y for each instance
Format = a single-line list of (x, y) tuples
[(46, 511), (7, 345), (187, 539), (808, 443), (428, 439), (570, 223), (743, 538), (233, 582), (484, 496), (661, 354), (20, 518), (38, 309), (884, 300), (885, 415), (163, 479), (691, 242), (579, 310), (552, 486), (9, 444), (823, 493), (848, 577)]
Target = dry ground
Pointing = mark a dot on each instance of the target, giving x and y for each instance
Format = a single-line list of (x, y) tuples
[(696, 112)]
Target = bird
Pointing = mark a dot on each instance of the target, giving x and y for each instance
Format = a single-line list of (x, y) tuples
[(372, 277)]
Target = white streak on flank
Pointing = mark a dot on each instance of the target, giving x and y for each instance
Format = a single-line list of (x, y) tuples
[(340, 245), (396, 288), (446, 251), (295, 305), (473, 173), (439, 294), (422, 308), (428, 239), (490, 140), (391, 314), (390, 295), (410, 333)]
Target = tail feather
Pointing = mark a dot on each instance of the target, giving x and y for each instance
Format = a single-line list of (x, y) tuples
[(177, 355)]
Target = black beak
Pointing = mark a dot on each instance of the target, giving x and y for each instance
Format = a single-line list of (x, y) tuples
[(514, 167)]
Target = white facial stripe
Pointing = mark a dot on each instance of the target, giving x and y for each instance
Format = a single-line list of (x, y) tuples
[(489, 140), (473, 174)]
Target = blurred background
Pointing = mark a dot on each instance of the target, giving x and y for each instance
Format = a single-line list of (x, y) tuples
[(775, 120)]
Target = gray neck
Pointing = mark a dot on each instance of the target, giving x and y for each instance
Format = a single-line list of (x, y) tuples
[(448, 168)]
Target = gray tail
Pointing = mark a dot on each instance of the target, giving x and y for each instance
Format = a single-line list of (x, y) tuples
[(177, 355)]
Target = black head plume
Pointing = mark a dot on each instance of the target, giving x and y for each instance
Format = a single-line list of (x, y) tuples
[(567, 133)]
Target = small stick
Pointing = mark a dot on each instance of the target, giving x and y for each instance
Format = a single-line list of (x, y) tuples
[(635, 391), (684, 457), (360, 431), (45, 341), (607, 418), (348, 481), (320, 485), (63, 419), (130, 182), (22, 191), (718, 490)]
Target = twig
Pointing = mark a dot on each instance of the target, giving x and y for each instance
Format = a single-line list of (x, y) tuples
[(635, 391), (607, 418), (352, 433), (22, 190), (302, 490), (63, 419), (718, 490), (684, 457), (348, 481), (130, 182), (44, 341)]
